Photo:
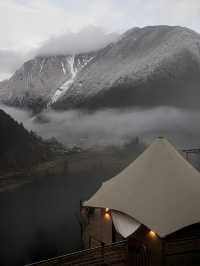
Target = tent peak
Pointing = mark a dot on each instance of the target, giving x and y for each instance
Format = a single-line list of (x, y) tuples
[(160, 189)]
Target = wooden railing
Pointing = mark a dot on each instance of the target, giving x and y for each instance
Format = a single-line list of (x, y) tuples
[(114, 254), (140, 258)]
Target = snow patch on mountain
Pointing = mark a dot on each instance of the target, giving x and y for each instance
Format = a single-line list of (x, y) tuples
[(63, 68), (41, 65), (74, 68), (60, 91)]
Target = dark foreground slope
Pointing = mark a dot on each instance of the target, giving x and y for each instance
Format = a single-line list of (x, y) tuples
[(25, 156), (20, 149)]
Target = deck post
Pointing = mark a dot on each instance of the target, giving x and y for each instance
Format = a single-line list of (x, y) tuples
[(163, 252)]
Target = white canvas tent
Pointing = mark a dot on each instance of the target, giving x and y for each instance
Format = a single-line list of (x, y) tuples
[(160, 190), (124, 224)]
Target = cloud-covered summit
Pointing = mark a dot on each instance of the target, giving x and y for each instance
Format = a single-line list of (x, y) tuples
[(88, 39)]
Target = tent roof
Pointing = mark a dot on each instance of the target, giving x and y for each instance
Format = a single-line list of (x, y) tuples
[(160, 189)]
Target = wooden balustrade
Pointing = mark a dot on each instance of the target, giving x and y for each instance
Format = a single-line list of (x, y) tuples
[(114, 254)]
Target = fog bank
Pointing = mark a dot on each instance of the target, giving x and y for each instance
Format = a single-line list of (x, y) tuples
[(88, 39), (113, 127)]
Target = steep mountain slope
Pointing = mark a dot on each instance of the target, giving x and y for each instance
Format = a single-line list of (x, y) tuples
[(151, 66), (147, 67), (35, 84), (20, 149)]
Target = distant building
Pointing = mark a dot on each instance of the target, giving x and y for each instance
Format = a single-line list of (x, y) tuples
[(155, 204)]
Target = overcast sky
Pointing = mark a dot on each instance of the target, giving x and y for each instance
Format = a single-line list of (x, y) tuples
[(26, 25)]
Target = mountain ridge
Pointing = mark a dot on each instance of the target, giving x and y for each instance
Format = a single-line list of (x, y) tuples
[(140, 64), (34, 85), (144, 67)]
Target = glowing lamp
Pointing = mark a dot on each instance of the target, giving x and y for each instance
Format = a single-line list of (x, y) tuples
[(107, 216), (107, 210), (152, 234)]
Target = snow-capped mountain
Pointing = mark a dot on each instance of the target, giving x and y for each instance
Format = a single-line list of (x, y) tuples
[(75, 64), (147, 67), (43, 80), (151, 66)]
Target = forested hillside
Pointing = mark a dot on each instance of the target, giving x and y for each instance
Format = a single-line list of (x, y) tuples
[(20, 149)]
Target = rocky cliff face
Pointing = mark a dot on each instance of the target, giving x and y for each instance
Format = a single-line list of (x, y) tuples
[(41, 81)]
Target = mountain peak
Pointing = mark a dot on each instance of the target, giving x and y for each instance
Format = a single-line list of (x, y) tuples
[(150, 66)]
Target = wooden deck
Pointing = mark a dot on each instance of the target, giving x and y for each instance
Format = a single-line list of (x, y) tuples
[(114, 254)]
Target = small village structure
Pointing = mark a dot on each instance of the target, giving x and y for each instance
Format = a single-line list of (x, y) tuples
[(154, 204)]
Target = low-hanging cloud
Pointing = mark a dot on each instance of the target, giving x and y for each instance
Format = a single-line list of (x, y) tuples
[(114, 127), (87, 40)]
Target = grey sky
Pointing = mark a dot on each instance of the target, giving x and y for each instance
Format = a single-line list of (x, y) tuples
[(26, 24)]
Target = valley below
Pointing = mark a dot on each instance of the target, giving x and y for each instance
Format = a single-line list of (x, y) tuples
[(40, 217)]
